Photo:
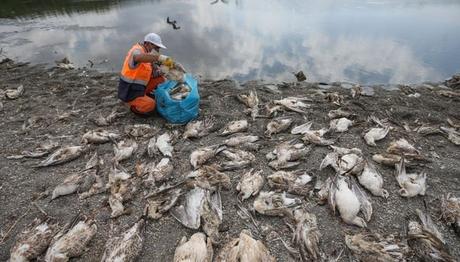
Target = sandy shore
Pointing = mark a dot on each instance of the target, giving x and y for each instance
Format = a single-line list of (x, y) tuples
[(60, 104)]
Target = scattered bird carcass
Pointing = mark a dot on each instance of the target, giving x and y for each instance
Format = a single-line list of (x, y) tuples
[(344, 160), (198, 128), (141, 130), (122, 187), (71, 243), (203, 154), (387, 159), (127, 246), (251, 101), (339, 113), (198, 249), (63, 155), (452, 135), (403, 148), (295, 104), (278, 125), (301, 129), (334, 98), (250, 184), (14, 93), (124, 150), (243, 141), (43, 149), (244, 249), (316, 137), (99, 136), (450, 211), (163, 143), (371, 179), (33, 241), (274, 204), (411, 184), (235, 127), (374, 247), (296, 182), (340, 125), (69, 186), (426, 241), (286, 154), (208, 177), (349, 200), (306, 235), (162, 201), (376, 134), (109, 119), (156, 172), (238, 159)]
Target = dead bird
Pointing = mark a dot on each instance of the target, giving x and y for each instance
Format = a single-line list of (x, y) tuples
[(244, 249), (274, 204), (157, 172), (349, 200), (32, 241), (124, 150), (316, 137), (64, 64), (69, 186), (452, 135), (426, 241), (127, 246), (339, 113), (163, 144), (387, 159), (161, 202), (120, 192), (334, 98), (278, 125), (402, 147), (302, 129), (376, 134), (411, 184), (94, 161), (295, 104), (374, 247), (173, 23), (306, 235), (292, 182), (272, 109), (99, 136), (212, 215), (198, 249), (450, 211), (286, 152), (251, 101), (240, 140), (372, 180), (250, 184), (201, 155), (71, 243), (188, 213), (340, 125), (199, 128), (63, 155), (426, 130), (141, 130), (238, 159), (235, 127), (344, 160), (208, 177), (43, 149), (14, 93), (105, 121)]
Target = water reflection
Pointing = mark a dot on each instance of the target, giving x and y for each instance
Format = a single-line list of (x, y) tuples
[(357, 41)]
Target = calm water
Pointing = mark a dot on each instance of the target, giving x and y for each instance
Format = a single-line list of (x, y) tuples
[(374, 41)]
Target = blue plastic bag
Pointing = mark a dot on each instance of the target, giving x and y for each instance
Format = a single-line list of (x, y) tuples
[(178, 111)]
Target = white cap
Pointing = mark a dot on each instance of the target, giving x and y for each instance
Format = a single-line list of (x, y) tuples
[(154, 39)]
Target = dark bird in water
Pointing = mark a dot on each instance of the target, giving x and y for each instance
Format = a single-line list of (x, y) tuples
[(173, 23)]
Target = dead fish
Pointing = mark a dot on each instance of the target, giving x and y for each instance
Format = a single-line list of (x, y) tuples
[(72, 243), (341, 124), (63, 155), (411, 184), (127, 246), (124, 150), (338, 113), (32, 241), (159, 172), (141, 130), (302, 129), (374, 247), (250, 184), (372, 180), (426, 241), (295, 104), (201, 155), (198, 128), (14, 93), (452, 135), (387, 159), (349, 202), (98, 136), (251, 101), (160, 203), (188, 213), (450, 211), (163, 144), (197, 249), (278, 125), (105, 121), (235, 127), (376, 134), (240, 140), (274, 204), (208, 177), (291, 182), (69, 186), (306, 235), (244, 249), (402, 147), (238, 159)]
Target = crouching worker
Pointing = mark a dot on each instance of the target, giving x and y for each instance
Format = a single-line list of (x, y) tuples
[(139, 76)]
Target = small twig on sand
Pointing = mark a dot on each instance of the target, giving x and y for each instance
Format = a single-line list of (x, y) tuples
[(12, 226), (40, 209)]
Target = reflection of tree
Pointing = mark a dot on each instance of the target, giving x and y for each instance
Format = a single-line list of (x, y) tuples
[(22, 8)]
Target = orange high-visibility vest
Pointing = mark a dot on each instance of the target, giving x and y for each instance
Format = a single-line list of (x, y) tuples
[(133, 80)]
